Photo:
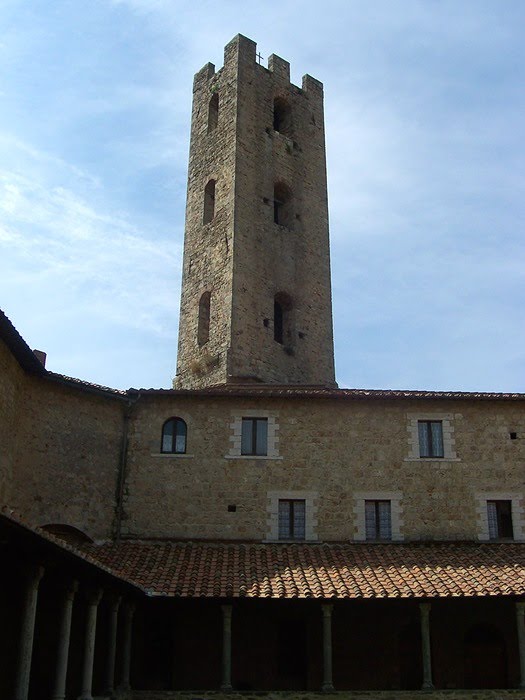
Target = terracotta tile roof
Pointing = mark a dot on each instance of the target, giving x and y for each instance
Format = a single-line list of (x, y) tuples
[(87, 386), (340, 571), (321, 392), (8, 515)]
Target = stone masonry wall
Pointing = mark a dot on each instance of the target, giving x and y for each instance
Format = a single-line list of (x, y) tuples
[(334, 452), (11, 385), (241, 256), (270, 259), (207, 263), (66, 446)]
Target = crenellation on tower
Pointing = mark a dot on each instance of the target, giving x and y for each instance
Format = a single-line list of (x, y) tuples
[(279, 68), (203, 75), (256, 240)]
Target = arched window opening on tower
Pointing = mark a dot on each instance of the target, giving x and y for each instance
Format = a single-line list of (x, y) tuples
[(282, 205), (209, 202), (277, 322), (174, 432), (203, 330), (282, 116), (282, 319), (213, 112)]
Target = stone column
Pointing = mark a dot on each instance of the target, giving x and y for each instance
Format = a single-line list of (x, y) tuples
[(226, 684), (424, 609), (64, 635), (27, 632), (129, 610), (114, 604), (328, 684), (520, 610), (89, 644)]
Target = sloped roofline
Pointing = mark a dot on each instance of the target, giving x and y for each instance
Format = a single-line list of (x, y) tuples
[(30, 363)]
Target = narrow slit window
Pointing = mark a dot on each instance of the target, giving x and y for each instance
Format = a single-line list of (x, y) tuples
[(213, 113), (282, 319), (282, 205), (281, 116), (203, 330), (277, 322), (209, 202)]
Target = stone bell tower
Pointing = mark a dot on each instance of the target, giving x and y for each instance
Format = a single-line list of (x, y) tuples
[(256, 298)]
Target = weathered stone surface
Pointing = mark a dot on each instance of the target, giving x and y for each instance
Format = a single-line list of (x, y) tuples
[(336, 448), (12, 380), (242, 257), (65, 457)]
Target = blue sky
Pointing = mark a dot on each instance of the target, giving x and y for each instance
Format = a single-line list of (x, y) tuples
[(425, 144)]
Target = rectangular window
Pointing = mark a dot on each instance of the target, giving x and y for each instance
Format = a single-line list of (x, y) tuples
[(292, 515), (254, 437), (378, 520), (499, 515), (430, 438)]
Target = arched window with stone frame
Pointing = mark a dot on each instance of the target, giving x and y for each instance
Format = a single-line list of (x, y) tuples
[(174, 434), (203, 325)]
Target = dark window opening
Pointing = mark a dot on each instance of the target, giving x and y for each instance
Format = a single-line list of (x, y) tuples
[(277, 322), (209, 202), (513, 436), (282, 205), (430, 438), (254, 436), (213, 113), (499, 514), (282, 121), (174, 433), (203, 330), (292, 519), (378, 520), (282, 320), (232, 508)]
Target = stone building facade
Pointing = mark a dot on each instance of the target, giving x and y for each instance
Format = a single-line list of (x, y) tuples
[(255, 527)]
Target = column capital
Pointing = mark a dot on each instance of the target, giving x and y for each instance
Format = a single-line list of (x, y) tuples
[(33, 574), (114, 600), (227, 610), (327, 609), (70, 589), (425, 608), (94, 595), (129, 607)]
